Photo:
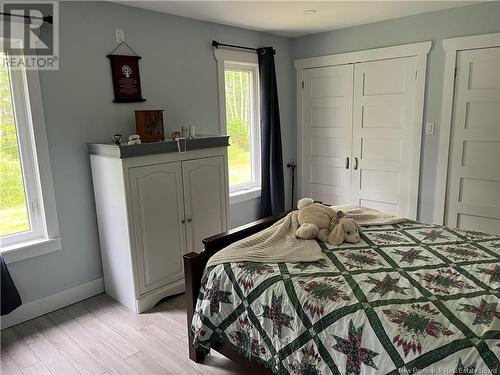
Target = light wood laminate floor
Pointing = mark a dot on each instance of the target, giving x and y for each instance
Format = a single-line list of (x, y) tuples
[(99, 336)]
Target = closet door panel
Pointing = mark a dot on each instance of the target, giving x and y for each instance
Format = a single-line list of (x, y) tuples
[(473, 195), (383, 120), (327, 133)]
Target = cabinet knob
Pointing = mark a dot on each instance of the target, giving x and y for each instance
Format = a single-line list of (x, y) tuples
[(190, 220), (183, 221)]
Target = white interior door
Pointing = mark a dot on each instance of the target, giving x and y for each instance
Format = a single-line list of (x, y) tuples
[(205, 199), (473, 195), (383, 127), (326, 134), (158, 211)]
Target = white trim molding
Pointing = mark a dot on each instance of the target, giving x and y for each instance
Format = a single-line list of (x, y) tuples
[(41, 306), (27, 250), (452, 47), (404, 50), (42, 152), (244, 195), (417, 132), (420, 50)]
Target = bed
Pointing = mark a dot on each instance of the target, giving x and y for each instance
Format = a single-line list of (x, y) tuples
[(409, 298)]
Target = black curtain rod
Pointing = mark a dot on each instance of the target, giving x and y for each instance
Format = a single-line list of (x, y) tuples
[(217, 44), (47, 19)]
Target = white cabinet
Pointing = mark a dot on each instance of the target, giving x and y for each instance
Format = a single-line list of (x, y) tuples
[(151, 210)]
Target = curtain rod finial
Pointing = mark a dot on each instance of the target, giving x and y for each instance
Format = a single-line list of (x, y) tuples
[(215, 44)]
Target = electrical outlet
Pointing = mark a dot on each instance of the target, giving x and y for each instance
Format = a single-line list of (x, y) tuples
[(120, 35), (429, 128)]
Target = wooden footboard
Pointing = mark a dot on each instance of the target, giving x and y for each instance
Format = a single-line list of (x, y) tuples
[(194, 265)]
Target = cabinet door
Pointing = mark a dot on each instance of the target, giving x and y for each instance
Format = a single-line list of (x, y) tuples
[(205, 194), (326, 134), (157, 213), (383, 125)]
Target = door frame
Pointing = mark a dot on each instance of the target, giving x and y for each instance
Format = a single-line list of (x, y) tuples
[(452, 46), (420, 50)]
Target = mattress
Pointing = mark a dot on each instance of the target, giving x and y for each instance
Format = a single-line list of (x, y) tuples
[(409, 298)]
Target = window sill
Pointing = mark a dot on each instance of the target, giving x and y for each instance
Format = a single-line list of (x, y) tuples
[(31, 249), (244, 195)]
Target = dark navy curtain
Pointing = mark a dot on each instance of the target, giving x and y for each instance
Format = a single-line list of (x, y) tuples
[(10, 298), (273, 186)]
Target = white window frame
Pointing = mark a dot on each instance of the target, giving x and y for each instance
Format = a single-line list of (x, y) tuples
[(43, 236), (235, 60)]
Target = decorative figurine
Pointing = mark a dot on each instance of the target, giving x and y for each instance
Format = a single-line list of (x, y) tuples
[(134, 139), (117, 139)]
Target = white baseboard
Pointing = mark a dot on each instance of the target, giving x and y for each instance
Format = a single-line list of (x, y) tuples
[(38, 307)]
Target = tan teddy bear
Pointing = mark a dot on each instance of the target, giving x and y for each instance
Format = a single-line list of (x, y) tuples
[(314, 220), (323, 222)]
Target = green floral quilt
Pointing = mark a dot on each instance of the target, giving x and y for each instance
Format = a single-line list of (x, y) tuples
[(409, 298)]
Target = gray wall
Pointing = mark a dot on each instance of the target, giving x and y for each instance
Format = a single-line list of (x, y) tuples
[(178, 73), (467, 20)]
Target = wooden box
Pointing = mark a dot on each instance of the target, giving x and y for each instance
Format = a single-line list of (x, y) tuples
[(149, 125)]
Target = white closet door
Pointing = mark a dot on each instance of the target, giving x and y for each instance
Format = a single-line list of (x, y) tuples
[(326, 134), (473, 199), (383, 124)]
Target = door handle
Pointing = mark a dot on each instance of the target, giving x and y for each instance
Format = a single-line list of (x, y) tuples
[(347, 162), (355, 163)]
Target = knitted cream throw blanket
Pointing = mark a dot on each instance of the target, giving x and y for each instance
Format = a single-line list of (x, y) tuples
[(278, 243), (368, 216)]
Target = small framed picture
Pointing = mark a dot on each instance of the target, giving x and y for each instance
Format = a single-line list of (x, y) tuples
[(149, 125)]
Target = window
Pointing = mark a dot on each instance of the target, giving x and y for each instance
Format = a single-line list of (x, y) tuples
[(240, 118), (25, 221), (14, 216), (19, 198)]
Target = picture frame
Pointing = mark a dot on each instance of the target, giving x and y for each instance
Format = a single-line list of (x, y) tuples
[(149, 125)]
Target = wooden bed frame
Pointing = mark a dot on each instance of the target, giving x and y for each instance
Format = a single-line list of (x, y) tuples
[(194, 265)]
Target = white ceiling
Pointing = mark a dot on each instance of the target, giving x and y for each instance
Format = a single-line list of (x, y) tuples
[(287, 18)]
